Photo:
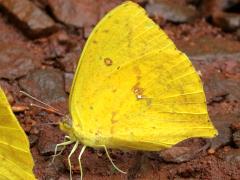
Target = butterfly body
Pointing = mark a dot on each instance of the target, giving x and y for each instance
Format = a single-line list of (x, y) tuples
[(95, 140), (87, 139)]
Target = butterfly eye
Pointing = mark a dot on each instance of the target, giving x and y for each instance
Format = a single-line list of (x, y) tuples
[(66, 121)]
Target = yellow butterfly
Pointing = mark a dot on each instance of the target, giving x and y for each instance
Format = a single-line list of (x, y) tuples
[(133, 89), (16, 162)]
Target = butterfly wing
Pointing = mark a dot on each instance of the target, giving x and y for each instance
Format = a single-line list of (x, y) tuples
[(15, 158), (133, 89)]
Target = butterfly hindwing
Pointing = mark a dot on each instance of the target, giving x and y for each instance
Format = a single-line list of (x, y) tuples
[(133, 89)]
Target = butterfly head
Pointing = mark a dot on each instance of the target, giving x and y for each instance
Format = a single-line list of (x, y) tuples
[(66, 125)]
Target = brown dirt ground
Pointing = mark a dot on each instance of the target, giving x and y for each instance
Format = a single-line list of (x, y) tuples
[(96, 165)]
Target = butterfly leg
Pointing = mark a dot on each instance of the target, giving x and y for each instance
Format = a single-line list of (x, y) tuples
[(105, 148), (61, 144), (69, 158), (79, 160), (64, 144)]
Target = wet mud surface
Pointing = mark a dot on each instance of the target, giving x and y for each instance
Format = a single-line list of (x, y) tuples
[(41, 42)]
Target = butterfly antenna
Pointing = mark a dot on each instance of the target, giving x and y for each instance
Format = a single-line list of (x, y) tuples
[(47, 109), (52, 109)]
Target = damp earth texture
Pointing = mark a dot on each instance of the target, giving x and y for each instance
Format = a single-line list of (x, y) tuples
[(40, 45)]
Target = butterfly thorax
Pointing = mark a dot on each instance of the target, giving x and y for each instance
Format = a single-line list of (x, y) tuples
[(85, 138)]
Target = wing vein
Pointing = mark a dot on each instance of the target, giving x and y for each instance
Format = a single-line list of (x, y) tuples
[(14, 164), (14, 147)]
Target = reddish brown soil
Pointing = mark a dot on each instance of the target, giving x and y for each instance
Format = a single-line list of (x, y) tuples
[(221, 76)]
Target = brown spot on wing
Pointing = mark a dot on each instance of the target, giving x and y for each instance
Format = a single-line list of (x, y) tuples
[(106, 31), (113, 121), (108, 61), (138, 72), (138, 91)]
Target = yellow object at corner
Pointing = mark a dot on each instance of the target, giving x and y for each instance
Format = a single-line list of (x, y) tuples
[(133, 89), (16, 162)]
